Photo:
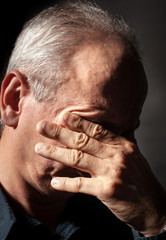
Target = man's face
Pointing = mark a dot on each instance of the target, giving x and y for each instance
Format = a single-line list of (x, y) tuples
[(89, 91)]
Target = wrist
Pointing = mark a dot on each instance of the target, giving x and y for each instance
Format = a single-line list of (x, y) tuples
[(156, 221), (157, 229)]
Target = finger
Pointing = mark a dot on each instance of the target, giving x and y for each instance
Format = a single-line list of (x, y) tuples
[(90, 128), (91, 186), (74, 140), (71, 157)]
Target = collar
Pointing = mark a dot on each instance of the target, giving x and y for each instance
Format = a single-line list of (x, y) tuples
[(65, 230), (72, 217), (66, 227), (7, 217)]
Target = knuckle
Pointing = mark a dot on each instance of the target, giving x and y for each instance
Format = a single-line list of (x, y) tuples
[(50, 150), (78, 183), (75, 121), (81, 140), (130, 147), (115, 187), (120, 155), (76, 157), (111, 189), (124, 152), (119, 172), (53, 130), (56, 131), (124, 160), (116, 140), (97, 131), (64, 183)]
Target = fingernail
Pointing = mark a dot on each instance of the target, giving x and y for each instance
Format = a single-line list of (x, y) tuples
[(67, 117), (39, 147), (41, 126), (55, 182)]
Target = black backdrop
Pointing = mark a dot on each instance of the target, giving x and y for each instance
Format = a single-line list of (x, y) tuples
[(148, 17)]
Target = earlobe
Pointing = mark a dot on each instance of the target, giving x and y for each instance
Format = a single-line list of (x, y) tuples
[(13, 90)]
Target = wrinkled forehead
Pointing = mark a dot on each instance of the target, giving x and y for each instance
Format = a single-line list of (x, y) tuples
[(102, 78), (92, 68), (96, 62)]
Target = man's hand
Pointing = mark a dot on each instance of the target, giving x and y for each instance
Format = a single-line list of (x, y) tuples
[(119, 175)]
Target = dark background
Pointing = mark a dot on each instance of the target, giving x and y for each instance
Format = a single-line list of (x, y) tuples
[(148, 18)]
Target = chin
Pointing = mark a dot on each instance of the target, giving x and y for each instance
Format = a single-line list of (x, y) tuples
[(43, 177), (43, 191)]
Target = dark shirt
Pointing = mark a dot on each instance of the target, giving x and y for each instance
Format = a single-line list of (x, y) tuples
[(84, 218)]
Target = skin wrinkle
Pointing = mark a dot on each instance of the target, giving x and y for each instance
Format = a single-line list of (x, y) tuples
[(81, 94), (92, 87), (85, 104), (88, 70), (96, 106), (95, 75)]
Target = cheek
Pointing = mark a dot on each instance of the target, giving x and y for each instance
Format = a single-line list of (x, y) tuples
[(44, 168)]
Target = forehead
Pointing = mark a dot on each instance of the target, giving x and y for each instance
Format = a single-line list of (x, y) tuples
[(92, 67), (96, 62), (90, 88)]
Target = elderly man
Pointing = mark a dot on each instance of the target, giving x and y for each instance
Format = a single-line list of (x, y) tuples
[(70, 102)]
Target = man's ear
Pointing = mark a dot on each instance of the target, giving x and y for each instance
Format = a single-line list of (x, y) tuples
[(13, 89)]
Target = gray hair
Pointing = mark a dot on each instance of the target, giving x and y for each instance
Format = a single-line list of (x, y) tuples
[(48, 41)]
